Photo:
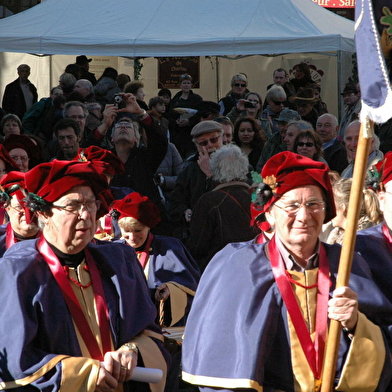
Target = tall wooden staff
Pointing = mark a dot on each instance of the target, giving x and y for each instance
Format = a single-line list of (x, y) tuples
[(346, 256), (376, 96)]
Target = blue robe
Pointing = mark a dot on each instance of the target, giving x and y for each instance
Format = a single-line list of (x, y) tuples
[(373, 247), (170, 261), (35, 323), (237, 332)]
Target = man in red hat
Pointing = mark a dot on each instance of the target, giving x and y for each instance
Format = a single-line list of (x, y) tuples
[(75, 316), (21, 226), (259, 319)]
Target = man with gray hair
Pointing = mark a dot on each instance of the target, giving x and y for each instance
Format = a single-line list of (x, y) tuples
[(351, 136), (20, 95), (196, 178), (327, 127), (85, 88), (222, 216)]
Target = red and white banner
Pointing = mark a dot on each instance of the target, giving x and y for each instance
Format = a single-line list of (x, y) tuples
[(336, 3)]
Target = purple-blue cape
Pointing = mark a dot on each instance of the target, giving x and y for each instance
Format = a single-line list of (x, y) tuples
[(373, 247), (35, 324), (170, 261), (237, 328)]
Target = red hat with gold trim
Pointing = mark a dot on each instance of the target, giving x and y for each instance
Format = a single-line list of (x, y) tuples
[(286, 171), (138, 207)]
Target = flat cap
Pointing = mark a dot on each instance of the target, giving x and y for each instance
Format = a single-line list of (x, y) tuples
[(205, 127)]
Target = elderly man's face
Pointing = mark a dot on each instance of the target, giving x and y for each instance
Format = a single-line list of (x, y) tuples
[(212, 141), (227, 136), (292, 132), (351, 136), (326, 127), (300, 230), (77, 114), (304, 109), (70, 232), (81, 88), (350, 99), (20, 157), (17, 217)]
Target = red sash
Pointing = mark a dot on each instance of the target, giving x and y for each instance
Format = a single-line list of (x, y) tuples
[(73, 303), (9, 237), (387, 235), (145, 253), (314, 352)]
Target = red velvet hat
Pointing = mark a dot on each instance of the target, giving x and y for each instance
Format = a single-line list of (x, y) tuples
[(384, 168), (23, 142), (8, 161), (12, 183), (286, 171), (94, 153), (139, 207), (49, 181)]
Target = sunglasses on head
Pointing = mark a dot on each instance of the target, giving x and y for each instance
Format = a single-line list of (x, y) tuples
[(239, 84), (307, 144), (278, 102), (212, 140)]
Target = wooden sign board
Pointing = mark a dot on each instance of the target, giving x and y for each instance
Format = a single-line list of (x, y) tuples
[(171, 68)]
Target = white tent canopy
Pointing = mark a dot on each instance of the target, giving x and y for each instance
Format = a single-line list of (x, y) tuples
[(159, 28)]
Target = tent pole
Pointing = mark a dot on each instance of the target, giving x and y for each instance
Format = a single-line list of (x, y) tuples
[(217, 78), (339, 59)]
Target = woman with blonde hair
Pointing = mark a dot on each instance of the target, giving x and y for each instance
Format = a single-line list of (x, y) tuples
[(370, 214)]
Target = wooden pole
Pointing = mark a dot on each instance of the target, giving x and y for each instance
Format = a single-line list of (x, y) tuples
[(345, 263)]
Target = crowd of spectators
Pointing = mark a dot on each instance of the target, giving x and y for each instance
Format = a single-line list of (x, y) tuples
[(182, 166)]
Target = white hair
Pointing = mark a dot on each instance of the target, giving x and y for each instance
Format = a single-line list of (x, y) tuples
[(229, 163)]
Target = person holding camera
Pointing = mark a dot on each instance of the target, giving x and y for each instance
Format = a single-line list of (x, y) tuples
[(250, 106)]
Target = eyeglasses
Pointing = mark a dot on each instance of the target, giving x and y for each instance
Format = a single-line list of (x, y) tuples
[(18, 208), (239, 84), (302, 144), (212, 140), (22, 159), (292, 209), (278, 102), (77, 206), (123, 125)]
